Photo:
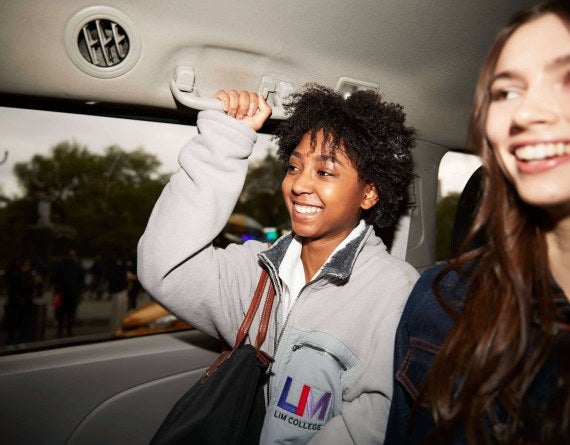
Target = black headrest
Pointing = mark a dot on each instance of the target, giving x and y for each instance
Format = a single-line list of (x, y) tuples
[(466, 208)]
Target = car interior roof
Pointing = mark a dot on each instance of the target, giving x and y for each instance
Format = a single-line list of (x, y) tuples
[(424, 55)]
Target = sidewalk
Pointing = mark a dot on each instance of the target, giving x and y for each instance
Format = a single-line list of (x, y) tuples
[(93, 317)]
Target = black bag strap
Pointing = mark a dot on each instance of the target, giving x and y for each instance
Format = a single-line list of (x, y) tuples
[(254, 305)]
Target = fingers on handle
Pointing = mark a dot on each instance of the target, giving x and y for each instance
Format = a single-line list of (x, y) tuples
[(245, 105), (238, 105), (263, 108), (223, 97), (233, 96), (253, 104), (262, 114)]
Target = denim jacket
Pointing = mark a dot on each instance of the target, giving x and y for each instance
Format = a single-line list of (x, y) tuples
[(421, 332)]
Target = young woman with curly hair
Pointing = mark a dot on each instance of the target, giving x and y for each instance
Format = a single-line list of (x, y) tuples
[(502, 375), (339, 292)]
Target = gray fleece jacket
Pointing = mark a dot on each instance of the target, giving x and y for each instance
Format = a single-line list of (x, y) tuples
[(331, 382)]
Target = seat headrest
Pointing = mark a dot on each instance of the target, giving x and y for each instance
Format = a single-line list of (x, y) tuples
[(466, 209)]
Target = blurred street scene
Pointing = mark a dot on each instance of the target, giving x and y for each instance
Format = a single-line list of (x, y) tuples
[(93, 318)]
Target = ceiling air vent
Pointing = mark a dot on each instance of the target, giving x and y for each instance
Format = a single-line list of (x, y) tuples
[(101, 41)]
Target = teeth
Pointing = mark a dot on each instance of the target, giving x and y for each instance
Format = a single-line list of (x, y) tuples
[(307, 209), (542, 151)]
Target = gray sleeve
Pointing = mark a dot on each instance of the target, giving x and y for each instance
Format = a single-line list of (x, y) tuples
[(177, 263)]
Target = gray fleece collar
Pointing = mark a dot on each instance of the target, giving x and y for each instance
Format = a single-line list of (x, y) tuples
[(340, 264)]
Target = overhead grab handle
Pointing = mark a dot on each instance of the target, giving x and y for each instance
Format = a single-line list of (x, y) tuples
[(276, 92)]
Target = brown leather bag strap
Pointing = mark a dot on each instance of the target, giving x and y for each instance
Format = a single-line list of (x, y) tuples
[(264, 323), (246, 324)]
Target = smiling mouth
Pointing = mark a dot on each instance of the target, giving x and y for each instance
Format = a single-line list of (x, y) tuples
[(306, 210), (540, 152)]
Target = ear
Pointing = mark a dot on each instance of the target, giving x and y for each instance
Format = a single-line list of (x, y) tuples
[(370, 197)]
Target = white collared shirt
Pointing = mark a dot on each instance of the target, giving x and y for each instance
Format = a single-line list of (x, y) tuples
[(291, 270)]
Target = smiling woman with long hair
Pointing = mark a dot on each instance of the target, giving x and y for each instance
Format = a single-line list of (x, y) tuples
[(483, 346)]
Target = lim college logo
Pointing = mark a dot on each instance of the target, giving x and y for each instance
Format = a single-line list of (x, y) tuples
[(308, 412)]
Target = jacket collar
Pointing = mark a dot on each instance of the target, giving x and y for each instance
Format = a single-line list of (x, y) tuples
[(339, 265)]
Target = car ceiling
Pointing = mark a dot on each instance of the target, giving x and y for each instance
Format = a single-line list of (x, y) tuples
[(424, 55)]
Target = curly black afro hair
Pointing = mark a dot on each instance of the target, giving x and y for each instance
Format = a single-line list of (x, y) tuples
[(372, 134)]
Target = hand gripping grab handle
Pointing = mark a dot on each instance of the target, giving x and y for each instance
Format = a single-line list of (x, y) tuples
[(183, 90)]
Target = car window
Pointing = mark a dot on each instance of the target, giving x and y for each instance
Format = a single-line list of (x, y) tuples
[(455, 169), (86, 184)]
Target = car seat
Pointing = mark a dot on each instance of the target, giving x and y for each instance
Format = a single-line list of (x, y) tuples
[(466, 209)]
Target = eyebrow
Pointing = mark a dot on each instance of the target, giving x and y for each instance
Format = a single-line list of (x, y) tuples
[(558, 62), (550, 66), (500, 76), (322, 158)]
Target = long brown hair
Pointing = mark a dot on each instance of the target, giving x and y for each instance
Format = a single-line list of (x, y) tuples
[(508, 322)]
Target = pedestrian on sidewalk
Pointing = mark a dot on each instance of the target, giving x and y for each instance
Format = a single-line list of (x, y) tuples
[(68, 282), (118, 283)]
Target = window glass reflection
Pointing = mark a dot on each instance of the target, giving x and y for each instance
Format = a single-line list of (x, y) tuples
[(75, 194)]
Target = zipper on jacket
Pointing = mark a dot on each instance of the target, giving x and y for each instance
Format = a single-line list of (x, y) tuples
[(339, 362), (273, 273), (274, 276), (278, 336)]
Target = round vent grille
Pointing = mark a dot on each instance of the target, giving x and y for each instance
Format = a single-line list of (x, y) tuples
[(101, 41)]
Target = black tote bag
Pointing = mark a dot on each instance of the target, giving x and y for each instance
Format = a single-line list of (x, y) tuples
[(226, 406)]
